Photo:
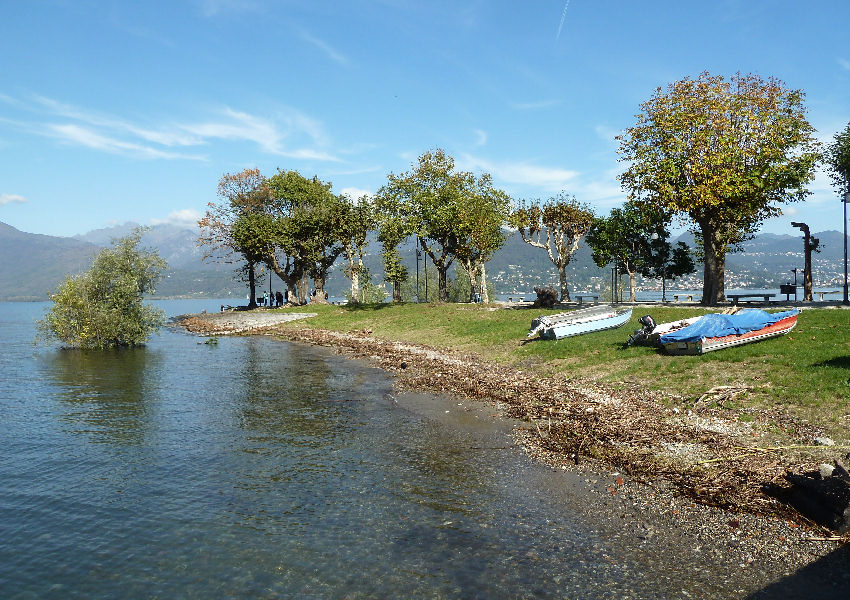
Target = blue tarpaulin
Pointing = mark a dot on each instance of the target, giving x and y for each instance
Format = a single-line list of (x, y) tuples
[(717, 325)]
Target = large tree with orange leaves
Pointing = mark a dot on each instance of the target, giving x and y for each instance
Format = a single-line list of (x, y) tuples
[(229, 230), (722, 155)]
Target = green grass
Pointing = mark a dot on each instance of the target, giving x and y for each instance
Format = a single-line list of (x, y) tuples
[(806, 372)]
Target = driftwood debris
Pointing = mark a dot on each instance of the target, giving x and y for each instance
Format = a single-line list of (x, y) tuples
[(823, 496), (547, 297)]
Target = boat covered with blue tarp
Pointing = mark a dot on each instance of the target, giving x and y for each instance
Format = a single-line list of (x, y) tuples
[(715, 331)]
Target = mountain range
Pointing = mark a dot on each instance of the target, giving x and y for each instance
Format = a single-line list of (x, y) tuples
[(33, 264)]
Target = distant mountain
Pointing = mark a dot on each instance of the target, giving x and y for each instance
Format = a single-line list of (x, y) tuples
[(34, 264)]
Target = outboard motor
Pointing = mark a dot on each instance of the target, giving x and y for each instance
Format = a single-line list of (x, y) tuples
[(642, 334)]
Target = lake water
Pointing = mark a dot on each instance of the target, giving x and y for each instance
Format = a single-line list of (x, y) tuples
[(259, 469)]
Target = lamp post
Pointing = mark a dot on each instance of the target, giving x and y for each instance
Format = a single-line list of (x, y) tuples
[(418, 256), (846, 200)]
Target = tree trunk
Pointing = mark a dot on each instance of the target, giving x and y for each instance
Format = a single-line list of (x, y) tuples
[(562, 277), (304, 289), (396, 291), (631, 286), (442, 282), (471, 272), (252, 286), (485, 296), (319, 289), (355, 269), (714, 272)]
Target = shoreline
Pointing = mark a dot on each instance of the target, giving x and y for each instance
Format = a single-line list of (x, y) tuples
[(646, 463)]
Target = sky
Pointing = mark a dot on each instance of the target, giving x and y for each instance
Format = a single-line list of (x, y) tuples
[(132, 111)]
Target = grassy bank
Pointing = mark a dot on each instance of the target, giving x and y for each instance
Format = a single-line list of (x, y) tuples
[(806, 372)]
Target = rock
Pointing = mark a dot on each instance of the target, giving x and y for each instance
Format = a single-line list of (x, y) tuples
[(826, 470), (824, 441)]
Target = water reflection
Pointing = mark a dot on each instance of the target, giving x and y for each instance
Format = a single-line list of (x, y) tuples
[(106, 394)]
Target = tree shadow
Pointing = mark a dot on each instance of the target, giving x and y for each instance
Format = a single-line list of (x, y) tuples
[(826, 578), (839, 362)]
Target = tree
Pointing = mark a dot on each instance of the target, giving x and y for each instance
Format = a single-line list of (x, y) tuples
[(357, 220), (103, 308), (723, 154), (557, 226), (310, 229), (430, 202), (623, 238), (244, 193), (636, 239), (483, 215), (837, 158), (392, 230), (666, 261)]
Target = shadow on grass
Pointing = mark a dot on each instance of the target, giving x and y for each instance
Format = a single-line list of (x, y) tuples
[(371, 307), (839, 362)]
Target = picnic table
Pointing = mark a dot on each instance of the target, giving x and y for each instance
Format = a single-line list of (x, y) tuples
[(749, 297)]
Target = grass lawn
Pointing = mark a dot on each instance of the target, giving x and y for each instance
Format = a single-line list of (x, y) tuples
[(806, 372)]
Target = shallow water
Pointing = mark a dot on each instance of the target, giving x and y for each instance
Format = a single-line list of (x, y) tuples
[(254, 468)]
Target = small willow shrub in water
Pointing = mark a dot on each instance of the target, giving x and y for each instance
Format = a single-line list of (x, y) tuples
[(103, 308)]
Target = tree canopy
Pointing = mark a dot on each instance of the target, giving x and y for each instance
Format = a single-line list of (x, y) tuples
[(557, 226), (449, 211), (837, 158), (725, 154), (103, 308)]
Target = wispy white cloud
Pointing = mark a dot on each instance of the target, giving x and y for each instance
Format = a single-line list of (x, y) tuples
[(325, 47), (12, 199), (185, 217), (524, 173), (844, 63), (288, 133), (481, 137), (538, 105), (75, 134), (355, 193)]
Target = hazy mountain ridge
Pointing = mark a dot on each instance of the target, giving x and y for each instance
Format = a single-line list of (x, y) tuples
[(34, 264)]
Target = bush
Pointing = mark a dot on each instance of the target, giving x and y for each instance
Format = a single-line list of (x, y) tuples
[(102, 308)]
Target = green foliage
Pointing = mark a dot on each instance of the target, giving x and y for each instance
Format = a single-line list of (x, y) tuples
[(452, 213), (368, 292), (724, 154), (837, 158), (103, 308), (557, 226)]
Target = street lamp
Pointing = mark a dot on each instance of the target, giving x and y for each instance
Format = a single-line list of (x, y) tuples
[(846, 200), (418, 256)]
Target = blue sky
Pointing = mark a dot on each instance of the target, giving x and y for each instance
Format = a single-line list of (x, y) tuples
[(132, 111)]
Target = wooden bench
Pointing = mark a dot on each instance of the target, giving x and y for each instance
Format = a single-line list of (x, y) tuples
[(676, 297), (750, 297), (581, 297), (827, 292)]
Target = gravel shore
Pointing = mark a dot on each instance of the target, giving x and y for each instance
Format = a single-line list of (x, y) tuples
[(652, 473)]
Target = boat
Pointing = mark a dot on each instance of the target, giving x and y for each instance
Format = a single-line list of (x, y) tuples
[(716, 331), (578, 322)]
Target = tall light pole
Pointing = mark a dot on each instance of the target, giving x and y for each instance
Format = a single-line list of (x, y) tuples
[(846, 200)]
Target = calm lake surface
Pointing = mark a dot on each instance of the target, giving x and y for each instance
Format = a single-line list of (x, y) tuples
[(259, 469)]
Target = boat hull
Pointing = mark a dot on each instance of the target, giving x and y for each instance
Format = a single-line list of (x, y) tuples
[(565, 325), (709, 344)]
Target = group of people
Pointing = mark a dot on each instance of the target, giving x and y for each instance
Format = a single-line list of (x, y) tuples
[(273, 299)]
